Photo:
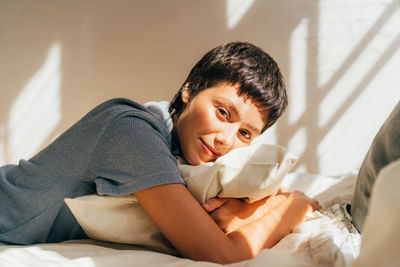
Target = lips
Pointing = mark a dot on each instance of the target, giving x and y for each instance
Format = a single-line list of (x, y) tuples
[(209, 150)]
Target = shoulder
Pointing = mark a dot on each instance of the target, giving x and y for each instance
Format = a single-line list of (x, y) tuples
[(119, 105), (117, 109), (123, 115)]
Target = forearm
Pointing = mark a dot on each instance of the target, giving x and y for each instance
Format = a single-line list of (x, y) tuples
[(188, 227), (230, 214), (269, 229), (195, 234)]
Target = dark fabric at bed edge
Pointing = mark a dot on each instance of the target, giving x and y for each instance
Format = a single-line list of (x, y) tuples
[(384, 149)]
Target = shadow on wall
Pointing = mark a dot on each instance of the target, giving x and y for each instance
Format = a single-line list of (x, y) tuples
[(143, 50), (322, 125)]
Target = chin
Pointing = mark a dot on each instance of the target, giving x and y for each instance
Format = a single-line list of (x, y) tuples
[(195, 162)]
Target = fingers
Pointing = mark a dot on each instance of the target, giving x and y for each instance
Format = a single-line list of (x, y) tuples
[(214, 203), (316, 205), (282, 190), (222, 219), (232, 214), (313, 203)]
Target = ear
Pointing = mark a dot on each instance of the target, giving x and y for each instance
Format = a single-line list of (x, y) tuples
[(185, 96)]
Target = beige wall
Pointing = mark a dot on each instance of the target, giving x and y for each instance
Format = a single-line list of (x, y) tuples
[(58, 59)]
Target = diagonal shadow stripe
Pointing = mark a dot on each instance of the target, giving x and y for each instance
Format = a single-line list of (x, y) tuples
[(368, 77), (380, 22), (389, 11)]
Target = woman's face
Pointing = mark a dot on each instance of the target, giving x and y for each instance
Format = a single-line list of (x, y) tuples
[(216, 121)]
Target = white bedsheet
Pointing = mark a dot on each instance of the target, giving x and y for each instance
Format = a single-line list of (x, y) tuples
[(326, 239)]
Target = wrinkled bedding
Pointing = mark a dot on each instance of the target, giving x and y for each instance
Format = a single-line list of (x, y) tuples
[(327, 238)]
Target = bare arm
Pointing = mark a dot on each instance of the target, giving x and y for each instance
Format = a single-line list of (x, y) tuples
[(281, 219), (196, 236), (231, 214)]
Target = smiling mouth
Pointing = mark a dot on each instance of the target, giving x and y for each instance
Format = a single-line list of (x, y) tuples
[(209, 150)]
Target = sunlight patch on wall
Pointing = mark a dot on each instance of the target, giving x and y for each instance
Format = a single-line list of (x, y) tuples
[(354, 131), (235, 10), (298, 142), (348, 140), (36, 112), (298, 71), (357, 76), (363, 50), (341, 97)]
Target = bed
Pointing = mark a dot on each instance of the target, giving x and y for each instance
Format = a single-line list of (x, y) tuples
[(326, 239)]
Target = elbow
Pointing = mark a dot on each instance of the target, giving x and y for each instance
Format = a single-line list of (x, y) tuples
[(232, 258), (236, 258), (226, 257), (236, 252), (231, 253)]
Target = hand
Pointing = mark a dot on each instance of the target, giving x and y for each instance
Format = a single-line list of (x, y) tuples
[(271, 201), (284, 194), (230, 214), (214, 203), (311, 204)]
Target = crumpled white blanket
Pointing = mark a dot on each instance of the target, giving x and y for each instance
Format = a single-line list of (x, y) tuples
[(326, 239)]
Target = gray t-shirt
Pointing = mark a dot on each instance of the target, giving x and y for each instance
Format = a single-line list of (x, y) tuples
[(118, 148)]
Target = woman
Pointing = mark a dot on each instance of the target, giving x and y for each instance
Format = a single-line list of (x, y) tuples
[(233, 94)]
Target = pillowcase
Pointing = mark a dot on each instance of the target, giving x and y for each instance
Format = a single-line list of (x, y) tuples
[(384, 149), (118, 219), (251, 172)]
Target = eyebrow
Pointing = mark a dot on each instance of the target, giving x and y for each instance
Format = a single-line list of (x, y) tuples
[(236, 111)]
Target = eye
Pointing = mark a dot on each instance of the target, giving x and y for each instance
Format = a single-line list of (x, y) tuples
[(245, 134), (221, 112)]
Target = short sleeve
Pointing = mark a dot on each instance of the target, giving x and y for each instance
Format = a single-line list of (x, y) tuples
[(133, 154)]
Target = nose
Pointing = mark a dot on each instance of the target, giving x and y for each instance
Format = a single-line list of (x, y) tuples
[(225, 137)]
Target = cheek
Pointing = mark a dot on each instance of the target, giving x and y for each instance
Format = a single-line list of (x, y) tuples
[(198, 120), (189, 123), (205, 120), (239, 143)]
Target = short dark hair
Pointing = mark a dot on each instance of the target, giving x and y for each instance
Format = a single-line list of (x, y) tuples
[(255, 72)]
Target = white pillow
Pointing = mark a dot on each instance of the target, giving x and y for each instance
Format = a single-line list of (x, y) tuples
[(251, 172), (119, 220)]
